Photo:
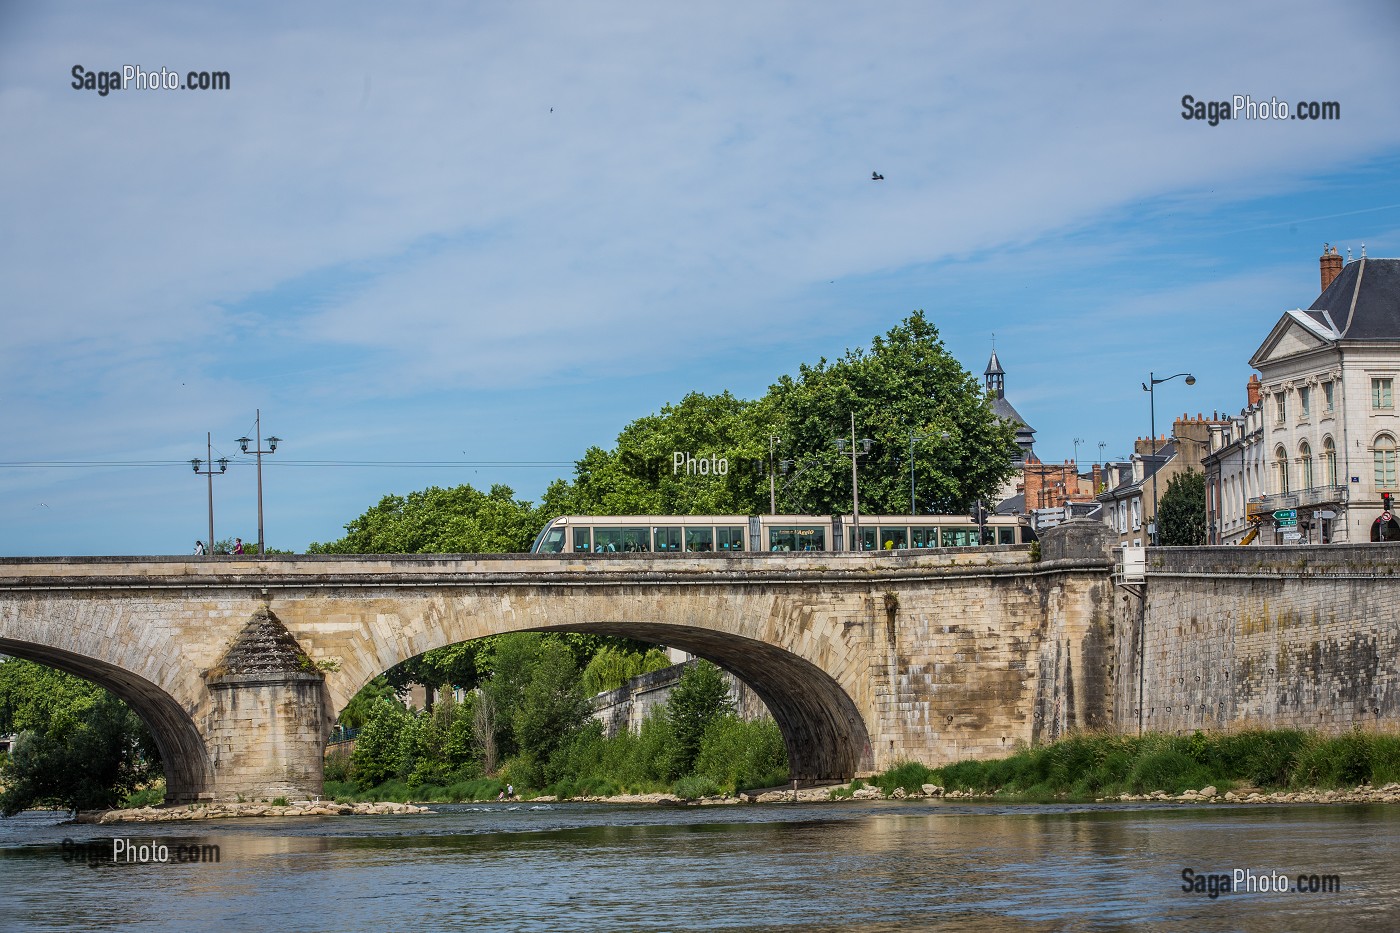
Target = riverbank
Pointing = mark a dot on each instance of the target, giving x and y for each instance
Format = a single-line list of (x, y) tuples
[(224, 811)]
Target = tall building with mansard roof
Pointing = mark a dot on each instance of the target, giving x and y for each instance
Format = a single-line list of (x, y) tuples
[(1328, 378)]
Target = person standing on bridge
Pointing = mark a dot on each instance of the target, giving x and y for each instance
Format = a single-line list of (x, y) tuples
[(238, 545), (199, 548)]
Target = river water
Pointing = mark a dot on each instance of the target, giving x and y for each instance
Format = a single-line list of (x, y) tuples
[(880, 866)]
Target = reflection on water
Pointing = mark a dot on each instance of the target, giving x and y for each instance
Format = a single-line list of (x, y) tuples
[(876, 867)]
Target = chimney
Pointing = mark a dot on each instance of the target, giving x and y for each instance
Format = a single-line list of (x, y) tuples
[(1098, 479), (1331, 264), (1253, 389)]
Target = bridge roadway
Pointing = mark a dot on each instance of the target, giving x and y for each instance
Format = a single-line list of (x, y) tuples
[(238, 665)]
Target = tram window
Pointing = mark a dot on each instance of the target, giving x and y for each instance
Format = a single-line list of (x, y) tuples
[(1006, 536), (866, 540), (553, 542), (731, 538), (611, 540), (667, 539), (796, 539), (894, 538), (924, 537), (700, 539), (582, 542), (959, 536)]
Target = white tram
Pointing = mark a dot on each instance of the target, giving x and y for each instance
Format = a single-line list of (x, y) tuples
[(609, 534)]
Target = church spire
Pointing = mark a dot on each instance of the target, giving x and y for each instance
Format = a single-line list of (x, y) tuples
[(996, 377)]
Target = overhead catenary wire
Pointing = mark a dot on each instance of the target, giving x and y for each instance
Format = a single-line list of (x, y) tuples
[(249, 461)]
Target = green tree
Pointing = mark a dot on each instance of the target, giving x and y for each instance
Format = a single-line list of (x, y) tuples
[(552, 707), (907, 382), (701, 697), (79, 747), (378, 754), (1182, 511), (460, 520), (612, 667)]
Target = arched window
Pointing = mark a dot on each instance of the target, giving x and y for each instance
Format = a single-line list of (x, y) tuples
[(1329, 460), (1384, 452), (1305, 457), (1281, 468)]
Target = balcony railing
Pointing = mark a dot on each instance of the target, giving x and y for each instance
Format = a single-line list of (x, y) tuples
[(1301, 499)]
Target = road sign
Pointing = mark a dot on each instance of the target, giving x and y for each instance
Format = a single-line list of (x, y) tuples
[(1292, 536), (1286, 514), (1287, 522)]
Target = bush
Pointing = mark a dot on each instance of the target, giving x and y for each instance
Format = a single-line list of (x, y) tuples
[(735, 754), (910, 775), (696, 786)]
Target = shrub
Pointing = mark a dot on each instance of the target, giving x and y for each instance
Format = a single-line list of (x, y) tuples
[(696, 786), (737, 754)]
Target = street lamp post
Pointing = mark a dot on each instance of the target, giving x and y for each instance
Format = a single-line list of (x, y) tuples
[(865, 442), (272, 443), (772, 479), (223, 467), (1149, 387)]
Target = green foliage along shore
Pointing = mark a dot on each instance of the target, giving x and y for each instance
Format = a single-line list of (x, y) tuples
[(528, 726), (1099, 765)]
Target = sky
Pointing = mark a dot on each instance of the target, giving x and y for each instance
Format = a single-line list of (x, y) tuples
[(463, 242)]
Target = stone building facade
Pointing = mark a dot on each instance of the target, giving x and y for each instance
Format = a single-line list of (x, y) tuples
[(1328, 382)]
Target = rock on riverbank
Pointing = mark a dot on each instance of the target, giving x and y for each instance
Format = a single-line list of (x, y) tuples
[(221, 811)]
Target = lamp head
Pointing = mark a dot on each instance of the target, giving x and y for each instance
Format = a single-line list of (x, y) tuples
[(243, 443), (195, 464), (272, 443), (866, 442), (223, 464), (1190, 380), (841, 445)]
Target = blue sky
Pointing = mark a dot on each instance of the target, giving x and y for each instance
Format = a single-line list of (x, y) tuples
[(493, 234)]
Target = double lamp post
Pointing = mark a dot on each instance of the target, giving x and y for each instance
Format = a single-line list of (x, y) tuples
[(222, 464)]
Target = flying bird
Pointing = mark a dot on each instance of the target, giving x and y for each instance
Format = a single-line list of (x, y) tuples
[(876, 176)]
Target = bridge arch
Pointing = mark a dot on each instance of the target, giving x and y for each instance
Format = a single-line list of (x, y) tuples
[(825, 735), (182, 749)]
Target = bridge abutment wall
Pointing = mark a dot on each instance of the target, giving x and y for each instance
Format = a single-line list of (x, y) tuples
[(1231, 638)]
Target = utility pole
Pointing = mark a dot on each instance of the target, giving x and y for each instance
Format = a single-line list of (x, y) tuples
[(772, 479), (272, 443), (223, 467), (855, 478)]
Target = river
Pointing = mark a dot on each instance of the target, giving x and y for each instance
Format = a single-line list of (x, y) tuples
[(879, 866)]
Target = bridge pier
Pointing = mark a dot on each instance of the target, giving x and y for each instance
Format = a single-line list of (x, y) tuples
[(268, 718), (265, 734)]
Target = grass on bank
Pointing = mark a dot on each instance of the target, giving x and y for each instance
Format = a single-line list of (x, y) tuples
[(1099, 765)]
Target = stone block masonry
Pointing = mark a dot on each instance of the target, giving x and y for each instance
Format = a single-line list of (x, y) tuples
[(1262, 637)]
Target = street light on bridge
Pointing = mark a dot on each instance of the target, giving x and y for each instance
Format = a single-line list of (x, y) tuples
[(272, 443), (223, 468)]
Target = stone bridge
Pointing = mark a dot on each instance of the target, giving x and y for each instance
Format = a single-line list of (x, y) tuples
[(239, 665)]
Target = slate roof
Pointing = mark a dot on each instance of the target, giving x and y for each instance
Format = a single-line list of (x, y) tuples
[(1363, 302)]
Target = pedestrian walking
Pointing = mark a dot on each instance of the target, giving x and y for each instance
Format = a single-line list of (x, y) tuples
[(238, 545), (199, 548)]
